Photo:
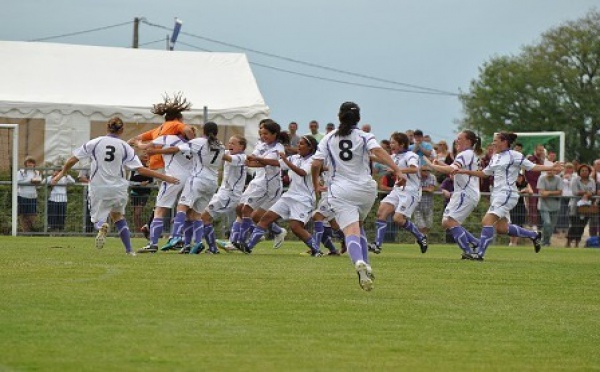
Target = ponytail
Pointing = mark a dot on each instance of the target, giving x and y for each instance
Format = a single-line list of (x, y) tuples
[(349, 116), (211, 130), (475, 141)]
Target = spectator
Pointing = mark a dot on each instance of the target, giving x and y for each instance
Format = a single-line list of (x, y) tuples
[(567, 193), (518, 147), (443, 156), (292, 148), (583, 188), (538, 158), (550, 189), (366, 128), (518, 215), (379, 168), (595, 220), (329, 128), (421, 147), (84, 177), (424, 210), (314, 130), (57, 202), (139, 192), (411, 136), (27, 180)]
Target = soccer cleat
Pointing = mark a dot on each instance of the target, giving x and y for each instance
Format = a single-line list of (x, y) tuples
[(466, 256), (343, 248), (101, 237), (146, 231), (185, 250), (173, 244), (245, 248), (374, 248), (150, 248), (131, 253), (226, 245), (209, 251), (317, 254), (423, 244), (279, 238), (364, 280), (370, 273), (477, 257), (537, 242), (197, 248), (334, 253)]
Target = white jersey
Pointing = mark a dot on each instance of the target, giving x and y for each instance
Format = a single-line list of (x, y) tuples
[(259, 172), (505, 167), (24, 177), (58, 193), (178, 164), (206, 160), (408, 159), (270, 176), (468, 160), (301, 187), (348, 157), (234, 175), (109, 157)]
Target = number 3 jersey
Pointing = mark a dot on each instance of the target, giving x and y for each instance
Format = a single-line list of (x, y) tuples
[(109, 157)]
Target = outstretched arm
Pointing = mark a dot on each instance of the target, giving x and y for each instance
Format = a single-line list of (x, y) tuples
[(386, 159), (65, 169)]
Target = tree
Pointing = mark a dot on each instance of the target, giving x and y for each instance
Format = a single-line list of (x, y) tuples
[(551, 86)]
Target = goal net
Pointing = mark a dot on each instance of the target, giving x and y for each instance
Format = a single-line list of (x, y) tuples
[(552, 141), (9, 154)]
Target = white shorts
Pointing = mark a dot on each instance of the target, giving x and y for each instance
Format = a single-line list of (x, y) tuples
[(502, 202), (352, 204), (168, 194), (290, 208), (324, 209), (221, 203), (102, 207), (257, 197), (460, 206), (197, 193), (404, 203)]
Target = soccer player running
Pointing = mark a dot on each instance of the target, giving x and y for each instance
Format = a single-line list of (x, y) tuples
[(108, 186), (466, 194), (206, 153), (352, 190), (505, 167), (402, 200), (177, 165), (296, 204)]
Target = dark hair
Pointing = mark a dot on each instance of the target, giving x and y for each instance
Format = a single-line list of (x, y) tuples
[(418, 132), (349, 116), (402, 139), (284, 137), (475, 141), (171, 108), (274, 128), (241, 139), (581, 166), (210, 130), (312, 142), (385, 142), (518, 144), (509, 137), (114, 125)]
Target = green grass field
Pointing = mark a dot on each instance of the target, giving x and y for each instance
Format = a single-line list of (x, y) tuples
[(68, 307)]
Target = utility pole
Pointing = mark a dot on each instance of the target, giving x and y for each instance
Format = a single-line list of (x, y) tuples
[(136, 29)]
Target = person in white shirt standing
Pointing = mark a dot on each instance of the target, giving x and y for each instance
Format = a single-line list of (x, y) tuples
[(57, 202), (27, 180), (505, 166), (352, 191), (108, 186), (206, 153)]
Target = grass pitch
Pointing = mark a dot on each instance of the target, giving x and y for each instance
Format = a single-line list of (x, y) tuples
[(69, 307)]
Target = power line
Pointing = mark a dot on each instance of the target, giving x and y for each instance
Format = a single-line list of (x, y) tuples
[(153, 42), (82, 32), (324, 78), (310, 64)]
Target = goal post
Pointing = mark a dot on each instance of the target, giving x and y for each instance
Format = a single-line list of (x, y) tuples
[(9, 143), (555, 141)]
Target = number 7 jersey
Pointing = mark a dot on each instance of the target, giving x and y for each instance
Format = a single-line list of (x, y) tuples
[(206, 160), (348, 156)]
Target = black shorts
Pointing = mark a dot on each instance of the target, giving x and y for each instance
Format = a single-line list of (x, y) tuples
[(138, 200), (26, 205)]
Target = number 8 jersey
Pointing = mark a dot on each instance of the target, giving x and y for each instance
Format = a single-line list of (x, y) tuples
[(348, 157), (109, 155)]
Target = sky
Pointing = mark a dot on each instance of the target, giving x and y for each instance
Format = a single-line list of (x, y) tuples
[(434, 44)]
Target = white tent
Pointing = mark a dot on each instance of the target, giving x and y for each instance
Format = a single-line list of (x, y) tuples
[(62, 95)]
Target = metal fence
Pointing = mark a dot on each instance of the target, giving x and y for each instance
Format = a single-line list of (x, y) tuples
[(71, 217)]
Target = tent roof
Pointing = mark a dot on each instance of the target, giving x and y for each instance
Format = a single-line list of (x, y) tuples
[(48, 76)]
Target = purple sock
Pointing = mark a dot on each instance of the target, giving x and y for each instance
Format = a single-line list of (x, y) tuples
[(380, 227), (318, 230), (275, 228), (98, 225), (178, 224), (410, 227), (310, 243), (460, 237), (470, 237), (326, 239), (123, 231), (354, 248), (487, 235), (244, 227), (514, 230), (198, 231), (364, 245), (156, 228), (188, 232), (234, 237), (257, 233), (209, 235)]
